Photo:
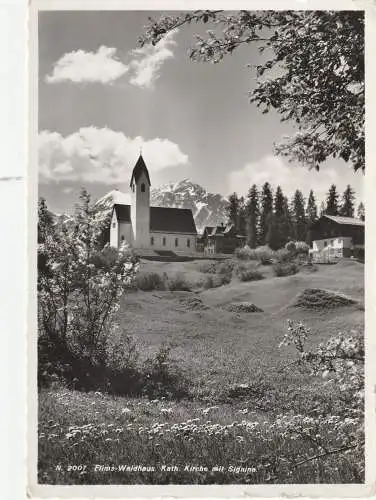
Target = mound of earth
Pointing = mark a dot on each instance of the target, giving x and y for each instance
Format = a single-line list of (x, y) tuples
[(244, 307), (315, 298), (192, 303)]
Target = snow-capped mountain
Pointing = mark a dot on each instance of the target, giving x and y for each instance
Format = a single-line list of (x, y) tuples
[(208, 209)]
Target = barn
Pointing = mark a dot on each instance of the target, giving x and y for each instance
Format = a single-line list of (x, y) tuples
[(336, 237)]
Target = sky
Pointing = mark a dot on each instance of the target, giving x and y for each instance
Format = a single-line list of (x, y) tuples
[(102, 99)]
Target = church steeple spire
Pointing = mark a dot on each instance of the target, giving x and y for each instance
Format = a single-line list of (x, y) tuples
[(138, 169)]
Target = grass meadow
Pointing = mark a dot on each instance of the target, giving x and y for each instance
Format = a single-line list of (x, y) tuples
[(247, 416)]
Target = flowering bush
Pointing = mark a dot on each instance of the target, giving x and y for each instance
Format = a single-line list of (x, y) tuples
[(80, 282), (340, 362)]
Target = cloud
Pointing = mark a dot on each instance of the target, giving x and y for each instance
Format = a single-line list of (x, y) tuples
[(148, 60), (100, 155), (276, 171), (79, 66)]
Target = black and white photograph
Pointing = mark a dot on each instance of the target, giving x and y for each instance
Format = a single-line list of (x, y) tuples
[(200, 247)]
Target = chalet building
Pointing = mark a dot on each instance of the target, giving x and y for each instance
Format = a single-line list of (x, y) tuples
[(335, 237), (220, 239), (154, 228)]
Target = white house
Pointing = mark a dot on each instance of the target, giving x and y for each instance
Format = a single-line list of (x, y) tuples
[(145, 227), (336, 237)]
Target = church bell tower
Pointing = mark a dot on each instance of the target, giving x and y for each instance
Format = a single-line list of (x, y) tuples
[(140, 204)]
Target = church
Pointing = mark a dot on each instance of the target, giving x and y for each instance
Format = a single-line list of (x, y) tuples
[(151, 228)]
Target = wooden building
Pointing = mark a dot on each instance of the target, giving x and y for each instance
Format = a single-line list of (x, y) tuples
[(220, 239), (335, 237)]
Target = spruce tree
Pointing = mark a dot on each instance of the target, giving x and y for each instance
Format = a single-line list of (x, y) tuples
[(232, 210), (252, 214), (311, 215), (311, 211), (322, 208), (242, 218), (348, 202), (266, 210), (300, 223), (277, 234), (332, 201), (361, 212)]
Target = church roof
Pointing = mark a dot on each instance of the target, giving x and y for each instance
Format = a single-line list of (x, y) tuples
[(163, 219), (123, 212), (139, 168), (172, 220)]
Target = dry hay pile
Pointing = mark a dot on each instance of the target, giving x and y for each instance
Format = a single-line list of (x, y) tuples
[(315, 298), (192, 303), (244, 307)]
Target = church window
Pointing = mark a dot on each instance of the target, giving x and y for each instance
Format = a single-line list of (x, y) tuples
[(122, 237), (152, 241), (176, 242), (188, 243), (142, 188), (133, 187), (164, 242), (114, 224)]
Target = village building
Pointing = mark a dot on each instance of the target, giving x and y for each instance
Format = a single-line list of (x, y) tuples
[(335, 237), (220, 239), (154, 228)]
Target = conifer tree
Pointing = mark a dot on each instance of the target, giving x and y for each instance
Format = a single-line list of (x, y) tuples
[(322, 208), (277, 233), (311, 211), (332, 201), (311, 215), (232, 210), (300, 223), (242, 217), (266, 210), (361, 212), (252, 214), (348, 202)]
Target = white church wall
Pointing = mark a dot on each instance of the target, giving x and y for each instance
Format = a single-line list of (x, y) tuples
[(125, 233), (114, 231), (166, 241), (140, 212)]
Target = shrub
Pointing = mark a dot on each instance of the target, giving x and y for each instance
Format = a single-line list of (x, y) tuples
[(248, 273), (302, 247), (225, 267), (208, 267), (245, 253), (286, 269), (265, 255), (150, 281), (290, 246), (284, 255), (178, 283), (216, 280), (79, 289)]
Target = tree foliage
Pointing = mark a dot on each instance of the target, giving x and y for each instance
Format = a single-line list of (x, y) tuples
[(252, 213), (300, 223), (332, 207), (312, 72), (348, 202), (81, 282), (266, 210)]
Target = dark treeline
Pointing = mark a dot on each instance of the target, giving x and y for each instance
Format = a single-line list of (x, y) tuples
[(267, 217)]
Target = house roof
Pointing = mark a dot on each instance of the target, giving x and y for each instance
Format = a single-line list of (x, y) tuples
[(140, 168), (172, 220), (123, 212), (169, 220), (345, 220)]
